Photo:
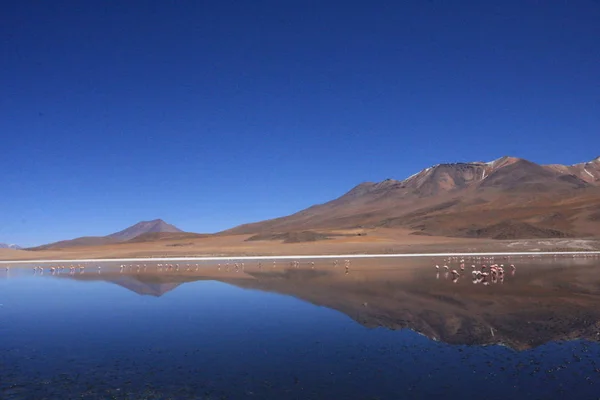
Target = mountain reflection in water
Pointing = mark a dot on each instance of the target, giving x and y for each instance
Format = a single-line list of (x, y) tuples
[(546, 300), (281, 330)]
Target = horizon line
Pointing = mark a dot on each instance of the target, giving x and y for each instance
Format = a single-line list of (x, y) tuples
[(304, 257)]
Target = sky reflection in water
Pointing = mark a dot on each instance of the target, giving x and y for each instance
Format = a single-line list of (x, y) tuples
[(218, 337)]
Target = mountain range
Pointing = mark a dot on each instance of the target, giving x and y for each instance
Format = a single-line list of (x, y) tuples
[(153, 229), (508, 198), (9, 246)]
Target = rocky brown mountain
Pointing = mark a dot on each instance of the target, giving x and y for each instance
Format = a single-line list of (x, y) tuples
[(144, 228), (157, 225), (508, 198)]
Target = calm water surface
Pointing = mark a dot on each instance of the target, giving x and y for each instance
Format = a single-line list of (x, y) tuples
[(381, 329)]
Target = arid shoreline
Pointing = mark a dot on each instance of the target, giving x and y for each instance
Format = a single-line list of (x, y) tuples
[(383, 241)]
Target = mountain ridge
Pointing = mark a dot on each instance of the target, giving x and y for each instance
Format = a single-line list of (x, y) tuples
[(506, 198), (10, 246), (427, 201), (155, 226)]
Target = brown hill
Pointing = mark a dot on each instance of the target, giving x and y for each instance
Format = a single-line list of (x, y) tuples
[(505, 198), (154, 226), (82, 241), (139, 230), (158, 236)]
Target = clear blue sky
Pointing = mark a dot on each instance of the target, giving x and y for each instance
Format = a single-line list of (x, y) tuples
[(213, 114)]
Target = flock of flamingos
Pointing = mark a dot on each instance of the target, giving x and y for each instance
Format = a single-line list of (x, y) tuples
[(139, 268), (484, 270), (489, 272)]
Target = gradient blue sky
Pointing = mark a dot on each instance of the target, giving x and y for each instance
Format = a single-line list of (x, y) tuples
[(213, 114)]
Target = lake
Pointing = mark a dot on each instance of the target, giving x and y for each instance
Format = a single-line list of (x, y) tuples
[(357, 329)]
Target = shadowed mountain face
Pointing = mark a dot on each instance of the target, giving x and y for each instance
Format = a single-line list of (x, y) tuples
[(152, 229), (542, 302), (154, 226), (506, 198)]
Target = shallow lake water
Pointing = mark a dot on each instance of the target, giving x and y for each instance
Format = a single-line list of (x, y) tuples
[(378, 329)]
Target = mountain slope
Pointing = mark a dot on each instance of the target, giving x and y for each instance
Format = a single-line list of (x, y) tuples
[(157, 225), (516, 197), (143, 228), (588, 171)]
